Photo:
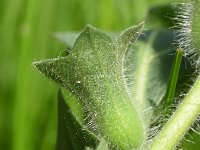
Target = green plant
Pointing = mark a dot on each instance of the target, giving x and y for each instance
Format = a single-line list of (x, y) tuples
[(114, 88)]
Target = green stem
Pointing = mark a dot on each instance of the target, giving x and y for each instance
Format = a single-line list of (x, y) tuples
[(180, 122), (173, 77)]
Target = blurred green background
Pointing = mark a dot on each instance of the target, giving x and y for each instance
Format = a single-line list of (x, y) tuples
[(28, 106)]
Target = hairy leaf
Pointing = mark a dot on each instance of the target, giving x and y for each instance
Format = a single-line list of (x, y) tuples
[(94, 72), (146, 69), (114, 79), (158, 43), (151, 43)]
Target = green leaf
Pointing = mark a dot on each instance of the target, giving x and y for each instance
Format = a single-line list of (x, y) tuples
[(158, 44), (112, 78), (71, 135), (93, 71)]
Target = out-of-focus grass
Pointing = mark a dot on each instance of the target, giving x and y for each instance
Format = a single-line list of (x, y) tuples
[(28, 102)]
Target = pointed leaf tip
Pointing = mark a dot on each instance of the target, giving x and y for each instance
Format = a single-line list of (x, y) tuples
[(90, 29), (37, 65), (47, 68), (87, 71), (128, 37), (89, 26)]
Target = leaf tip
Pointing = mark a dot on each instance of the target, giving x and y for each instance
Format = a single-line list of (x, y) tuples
[(89, 27), (37, 65), (44, 67), (128, 36)]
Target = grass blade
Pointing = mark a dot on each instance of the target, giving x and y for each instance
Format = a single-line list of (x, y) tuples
[(171, 88)]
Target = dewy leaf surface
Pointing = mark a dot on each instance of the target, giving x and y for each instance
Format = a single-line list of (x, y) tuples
[(141, 67), (94, 71)]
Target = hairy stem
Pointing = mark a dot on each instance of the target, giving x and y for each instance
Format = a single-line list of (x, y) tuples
[(180, 122)]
